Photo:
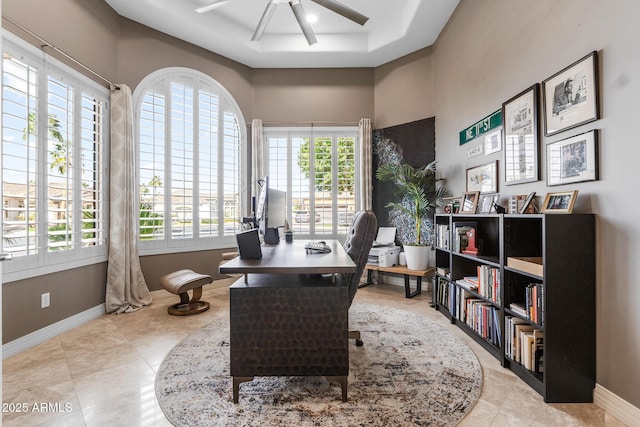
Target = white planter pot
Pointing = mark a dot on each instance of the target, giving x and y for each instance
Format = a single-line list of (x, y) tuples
[(417, 257)]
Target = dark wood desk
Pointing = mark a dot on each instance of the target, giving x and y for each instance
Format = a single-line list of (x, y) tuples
[(288, 320)]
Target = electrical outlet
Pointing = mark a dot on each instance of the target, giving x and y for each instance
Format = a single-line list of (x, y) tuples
[(45, 300)]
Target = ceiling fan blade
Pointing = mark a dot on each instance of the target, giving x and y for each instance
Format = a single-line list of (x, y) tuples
[(211, 6), (266, 17), (301, 17), (343, 10)]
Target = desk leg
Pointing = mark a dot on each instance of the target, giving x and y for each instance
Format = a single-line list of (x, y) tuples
[(369, 280), (407, 288)]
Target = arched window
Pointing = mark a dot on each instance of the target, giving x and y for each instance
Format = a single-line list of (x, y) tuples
[(191, 138)]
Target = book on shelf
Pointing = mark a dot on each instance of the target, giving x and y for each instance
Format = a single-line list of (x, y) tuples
[(442, 236), (528, 264), (468, 283), (489, 282), (443, 271), (518, 309)]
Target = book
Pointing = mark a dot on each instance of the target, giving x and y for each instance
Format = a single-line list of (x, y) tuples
[(531, 265)]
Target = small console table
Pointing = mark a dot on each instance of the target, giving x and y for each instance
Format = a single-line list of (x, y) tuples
[(400, 269)]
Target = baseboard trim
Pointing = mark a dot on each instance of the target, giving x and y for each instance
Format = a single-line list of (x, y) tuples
[(41, 335), (616, 406)]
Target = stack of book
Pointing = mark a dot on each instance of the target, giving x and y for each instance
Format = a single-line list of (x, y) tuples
[(460, 230), (470, 283), (524, 344), (534, 295), (442, 236), (483, 318), (489, 282)]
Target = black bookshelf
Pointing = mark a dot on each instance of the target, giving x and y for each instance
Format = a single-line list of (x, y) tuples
[(558, 297)]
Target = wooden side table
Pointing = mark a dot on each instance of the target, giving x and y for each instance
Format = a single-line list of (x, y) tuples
[(403, 270)]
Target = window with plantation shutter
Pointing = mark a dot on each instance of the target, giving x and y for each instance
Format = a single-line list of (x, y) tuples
[(54, 135), (190, 137), (316, 167)]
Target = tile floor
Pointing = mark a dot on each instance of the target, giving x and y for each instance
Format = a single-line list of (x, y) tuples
[(102, 373)]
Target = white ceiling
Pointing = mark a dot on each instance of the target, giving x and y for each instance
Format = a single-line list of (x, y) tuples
[(395, 28)]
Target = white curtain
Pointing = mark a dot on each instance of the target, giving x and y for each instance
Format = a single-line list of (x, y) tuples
[(257, 147), (127, 290), (365, 171)]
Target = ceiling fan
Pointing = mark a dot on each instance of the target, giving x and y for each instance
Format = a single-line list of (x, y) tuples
[(298, 11)]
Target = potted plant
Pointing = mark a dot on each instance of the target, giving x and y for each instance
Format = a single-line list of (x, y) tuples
[(418, 197)]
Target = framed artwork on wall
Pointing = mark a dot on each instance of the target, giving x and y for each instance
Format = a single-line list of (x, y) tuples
[(573, 159), (520, 137), (571, 96), (483, 178)]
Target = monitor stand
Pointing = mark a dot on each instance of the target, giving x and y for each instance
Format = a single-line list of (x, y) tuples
[(271, 236)]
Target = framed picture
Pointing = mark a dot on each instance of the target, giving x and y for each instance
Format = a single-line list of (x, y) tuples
[(451, 205), (527, 202), (493, 142), (520, 137), (483, 178), (559, 202), (573, 159), (469, 202), (486, 203), (571, 96)]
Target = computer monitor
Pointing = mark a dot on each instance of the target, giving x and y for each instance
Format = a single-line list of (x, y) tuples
[(271, 211)]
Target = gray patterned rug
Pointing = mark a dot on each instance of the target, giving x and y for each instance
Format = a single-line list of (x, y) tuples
[(410, 371)]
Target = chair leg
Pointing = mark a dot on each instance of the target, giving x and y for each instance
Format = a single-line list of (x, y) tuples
[(236, 386), (186, 307), (355, 335)]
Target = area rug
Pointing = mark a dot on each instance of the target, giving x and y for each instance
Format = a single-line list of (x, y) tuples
[(410, 372)]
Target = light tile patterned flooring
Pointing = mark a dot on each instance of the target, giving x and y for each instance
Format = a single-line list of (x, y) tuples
[(102, 373)]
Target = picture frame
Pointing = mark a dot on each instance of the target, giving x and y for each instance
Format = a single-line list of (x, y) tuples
[(571, 96), (561, 202), (483, 178), (486, 203), (520, 136), (469, 202), (493, 142), (451, 205), (527, 202), (573, 159)]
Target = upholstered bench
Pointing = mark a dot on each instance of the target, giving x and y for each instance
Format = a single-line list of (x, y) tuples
[(179, 283)]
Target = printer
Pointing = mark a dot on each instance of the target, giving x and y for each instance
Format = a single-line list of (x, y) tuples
[(384, 252)]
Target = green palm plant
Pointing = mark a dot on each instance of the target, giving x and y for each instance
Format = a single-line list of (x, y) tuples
[(416, 189)]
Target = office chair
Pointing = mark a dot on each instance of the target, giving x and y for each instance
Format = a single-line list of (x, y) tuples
[(358, 243)]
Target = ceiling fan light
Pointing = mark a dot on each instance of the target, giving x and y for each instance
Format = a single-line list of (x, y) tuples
[(264, 20), (211, 6)]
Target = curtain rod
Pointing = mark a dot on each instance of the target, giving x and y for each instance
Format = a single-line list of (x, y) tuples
[(47, 44), (316, 123)]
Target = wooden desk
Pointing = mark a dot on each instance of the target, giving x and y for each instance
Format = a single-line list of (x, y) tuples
[(285, 324), (399, 269)]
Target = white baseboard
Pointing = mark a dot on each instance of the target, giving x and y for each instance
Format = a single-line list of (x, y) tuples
[(616, 406), (41, 335)]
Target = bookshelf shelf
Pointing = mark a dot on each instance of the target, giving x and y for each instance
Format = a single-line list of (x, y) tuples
[(538, 316)]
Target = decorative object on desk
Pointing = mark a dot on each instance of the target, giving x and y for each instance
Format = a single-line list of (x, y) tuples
[(561, 202), (486, 203), (520, 134), (249, 244), (528, 203), (419, 195), (571, 96), (288, 232), (469, 202), (404, 367), (402, 258), (573, 159), (483, 178)]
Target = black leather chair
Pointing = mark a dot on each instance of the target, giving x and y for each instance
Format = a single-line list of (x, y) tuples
[(358, 244)]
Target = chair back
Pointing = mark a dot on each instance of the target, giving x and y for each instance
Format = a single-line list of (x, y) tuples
[(358, 244)]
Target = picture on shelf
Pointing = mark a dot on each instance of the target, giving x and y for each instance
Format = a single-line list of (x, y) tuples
[(451, 205), (559, 202), (487, 203), (527, 202), (469, 202)]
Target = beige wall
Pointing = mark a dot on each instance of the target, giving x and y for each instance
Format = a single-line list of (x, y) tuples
[(493, 49), (404, 90)]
